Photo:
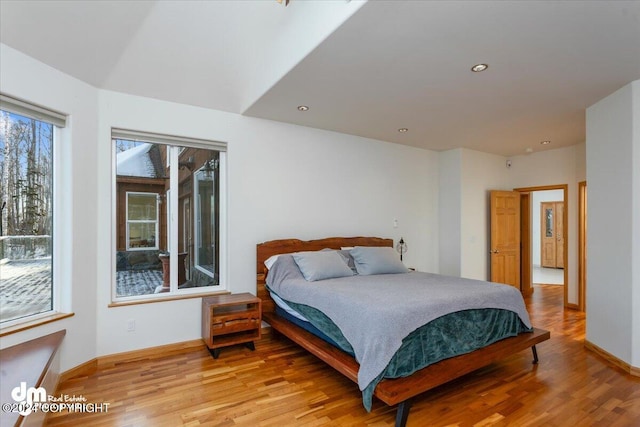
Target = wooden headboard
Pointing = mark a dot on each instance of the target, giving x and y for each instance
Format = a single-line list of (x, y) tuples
[(285, 246)]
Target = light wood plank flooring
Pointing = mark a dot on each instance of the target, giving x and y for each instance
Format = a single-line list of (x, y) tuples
[(281, 385)]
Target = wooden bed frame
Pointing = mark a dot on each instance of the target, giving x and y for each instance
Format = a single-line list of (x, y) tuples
[(397, 391)]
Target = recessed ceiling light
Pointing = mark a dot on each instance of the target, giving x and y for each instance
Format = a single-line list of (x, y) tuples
[(479, 68), (403, 130), (529, 150), (545, 142), (303, 108)]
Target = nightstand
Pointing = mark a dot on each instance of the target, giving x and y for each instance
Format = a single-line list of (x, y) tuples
[(231, 319)]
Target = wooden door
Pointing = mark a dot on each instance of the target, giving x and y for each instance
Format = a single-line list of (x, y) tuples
[(547, 234), (505, 237), (552, 234)]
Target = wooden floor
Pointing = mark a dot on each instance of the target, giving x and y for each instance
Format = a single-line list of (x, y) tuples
[(281, 385)]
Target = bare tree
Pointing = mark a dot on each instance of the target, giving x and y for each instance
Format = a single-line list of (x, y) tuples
[(25, 169)]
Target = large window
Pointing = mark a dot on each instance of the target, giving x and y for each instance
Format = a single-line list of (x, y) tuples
[(27, 137), (157, 252)]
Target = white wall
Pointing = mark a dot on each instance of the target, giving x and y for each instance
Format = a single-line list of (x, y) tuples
[(537, 198), (481, 173), (450, 212), (613, 239), (77, 223), (466, 177)]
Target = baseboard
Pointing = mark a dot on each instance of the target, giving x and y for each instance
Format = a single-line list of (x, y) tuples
[(82, 370), (146, 353), (91, 366), (632, 370)]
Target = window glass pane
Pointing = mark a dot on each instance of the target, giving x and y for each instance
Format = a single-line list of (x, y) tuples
[(142, 235), (143, 207), (205, 227), (26, 210), (548, 222), (141, 182)]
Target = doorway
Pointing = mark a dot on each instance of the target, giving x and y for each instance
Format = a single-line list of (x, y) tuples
[(534, 231)]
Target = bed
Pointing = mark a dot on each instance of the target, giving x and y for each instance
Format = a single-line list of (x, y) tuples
[(331, 347)]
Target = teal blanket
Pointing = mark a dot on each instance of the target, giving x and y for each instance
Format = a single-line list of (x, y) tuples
[(375, 312), (447, 336)]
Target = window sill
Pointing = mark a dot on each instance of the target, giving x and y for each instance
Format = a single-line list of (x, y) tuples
[(167, 298), (33, 323)]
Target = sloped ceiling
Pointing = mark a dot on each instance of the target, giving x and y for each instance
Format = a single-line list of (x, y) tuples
[(365, 69), (215, 54)]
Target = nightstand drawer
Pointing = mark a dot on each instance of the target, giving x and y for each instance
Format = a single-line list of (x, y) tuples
[(229, 324)]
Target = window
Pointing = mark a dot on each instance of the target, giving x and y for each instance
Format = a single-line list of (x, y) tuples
[(27, 204), (142, 220), (156, 176)]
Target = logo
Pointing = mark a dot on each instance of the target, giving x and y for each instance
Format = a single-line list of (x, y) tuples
[(26, 397), (31, 399)]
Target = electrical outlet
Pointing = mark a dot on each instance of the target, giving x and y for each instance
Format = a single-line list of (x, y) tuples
[(395, 223), (131, 325)]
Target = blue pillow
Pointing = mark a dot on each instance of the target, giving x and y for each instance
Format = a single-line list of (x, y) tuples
[(321, 265), (377, 260)]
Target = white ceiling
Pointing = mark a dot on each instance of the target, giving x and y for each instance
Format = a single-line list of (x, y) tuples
[(363, 68)]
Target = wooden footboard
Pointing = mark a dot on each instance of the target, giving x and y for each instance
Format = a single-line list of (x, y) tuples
[(397, 391)]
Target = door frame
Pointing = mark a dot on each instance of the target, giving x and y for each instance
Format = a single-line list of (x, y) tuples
[(525, 243), (525, 262), (582, 245)]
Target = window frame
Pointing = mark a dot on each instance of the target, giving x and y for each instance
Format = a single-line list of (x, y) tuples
[(197, 224), (175, 145), (59, 205)]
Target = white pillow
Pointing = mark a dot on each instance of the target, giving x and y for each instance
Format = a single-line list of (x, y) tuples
[(321, 265), (271, 260), (377, 260)]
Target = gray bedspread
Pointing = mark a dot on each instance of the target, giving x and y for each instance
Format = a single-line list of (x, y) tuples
[(376, 312)]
